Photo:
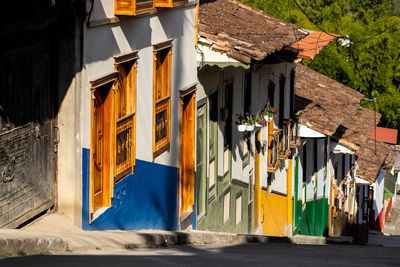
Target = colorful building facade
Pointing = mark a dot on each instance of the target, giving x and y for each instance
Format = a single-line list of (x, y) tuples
[(244, 178), (136, 112)]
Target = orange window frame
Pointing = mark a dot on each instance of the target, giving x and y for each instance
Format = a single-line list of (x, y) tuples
[(162, 97), (124, 137)]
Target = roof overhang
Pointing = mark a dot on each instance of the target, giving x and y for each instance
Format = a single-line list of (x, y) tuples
[(312, 44), (208, 55), (306, 132), (337, 148), (362, 181)]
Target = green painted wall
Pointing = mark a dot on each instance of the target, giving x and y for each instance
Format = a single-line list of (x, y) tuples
[(313, 219), (212, 220)]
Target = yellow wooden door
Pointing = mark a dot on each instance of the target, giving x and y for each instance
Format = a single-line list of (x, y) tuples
[(187, 154), (101, 152), (257, 186)]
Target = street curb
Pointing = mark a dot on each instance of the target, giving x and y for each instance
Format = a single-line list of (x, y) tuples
[(26, 244), (308, 240), (340, 240), (31, 246)]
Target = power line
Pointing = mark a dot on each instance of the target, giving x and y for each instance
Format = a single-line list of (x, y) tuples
[(368, 26), (309, 18)]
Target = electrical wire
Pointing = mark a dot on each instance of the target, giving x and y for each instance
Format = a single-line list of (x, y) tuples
[(368, 26), (309, 18)]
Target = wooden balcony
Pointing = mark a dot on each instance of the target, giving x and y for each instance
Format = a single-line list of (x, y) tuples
[(140, 7)]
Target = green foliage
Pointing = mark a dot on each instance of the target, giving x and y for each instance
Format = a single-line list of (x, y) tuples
[(371, 64)]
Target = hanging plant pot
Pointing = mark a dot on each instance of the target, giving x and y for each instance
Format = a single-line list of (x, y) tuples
[(249, 128), (268, 118), (242, 127)]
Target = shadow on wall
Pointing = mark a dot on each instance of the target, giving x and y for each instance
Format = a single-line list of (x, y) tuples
[(37, 59), (104, 42), (40, 55)]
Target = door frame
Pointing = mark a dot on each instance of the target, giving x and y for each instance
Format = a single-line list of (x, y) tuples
[(199, 179), (187, 150), (100, 84)]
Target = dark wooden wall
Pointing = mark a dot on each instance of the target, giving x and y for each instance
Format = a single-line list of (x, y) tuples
[(35, 37)]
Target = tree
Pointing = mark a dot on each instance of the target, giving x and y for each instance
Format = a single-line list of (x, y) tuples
[(371, 63)]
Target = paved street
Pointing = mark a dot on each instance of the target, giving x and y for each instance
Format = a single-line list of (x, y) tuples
[(240, 255)]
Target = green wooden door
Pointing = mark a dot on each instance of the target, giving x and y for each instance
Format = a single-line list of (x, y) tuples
[(201, 160)]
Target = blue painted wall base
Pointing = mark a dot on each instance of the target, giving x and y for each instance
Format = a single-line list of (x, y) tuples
[(147, 199)]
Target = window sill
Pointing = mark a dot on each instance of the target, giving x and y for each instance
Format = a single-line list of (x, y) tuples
[(161, 150), (97, 213)]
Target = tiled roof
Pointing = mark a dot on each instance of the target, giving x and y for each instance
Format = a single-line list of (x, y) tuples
[(242, 32), (397, 163), (354, 131), (313, 43), (385, 135), (322, 103), (370, 163)]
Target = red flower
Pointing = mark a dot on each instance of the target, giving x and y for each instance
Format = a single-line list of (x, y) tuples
[(275, 110)]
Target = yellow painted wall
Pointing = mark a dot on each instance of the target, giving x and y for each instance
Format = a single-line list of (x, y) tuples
[(275, 214), (289, 198)]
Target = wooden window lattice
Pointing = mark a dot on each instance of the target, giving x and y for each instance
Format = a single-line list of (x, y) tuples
[(162, 101), (124, 144), (123, 162)]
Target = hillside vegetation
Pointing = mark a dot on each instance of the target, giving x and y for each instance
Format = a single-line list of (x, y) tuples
[(371, 63)]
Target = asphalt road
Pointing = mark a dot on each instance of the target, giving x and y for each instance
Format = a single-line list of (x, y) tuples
[(240, 255)]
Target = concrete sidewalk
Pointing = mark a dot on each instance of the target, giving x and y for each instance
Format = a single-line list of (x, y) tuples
[(53, 234)]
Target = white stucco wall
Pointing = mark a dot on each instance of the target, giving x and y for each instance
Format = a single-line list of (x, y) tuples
[(378, 193), (300, 150), (140, 33), (214, 78), (321, 168), (100, 44)]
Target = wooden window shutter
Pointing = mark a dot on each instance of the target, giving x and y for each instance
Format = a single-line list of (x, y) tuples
[(162, 3), (125, 7), (124, 143), (162, 97)]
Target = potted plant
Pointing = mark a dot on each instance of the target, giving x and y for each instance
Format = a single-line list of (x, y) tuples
[(241, 122), (249, 123), (269, 113), (259, 121)]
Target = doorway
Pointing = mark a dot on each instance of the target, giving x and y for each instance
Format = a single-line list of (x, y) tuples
[(101, 152), (201, 160), (187, 159)]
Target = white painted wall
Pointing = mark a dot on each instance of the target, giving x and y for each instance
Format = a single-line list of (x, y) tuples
[(211, 78), (378, 193), (279, 183), (300, 150), (329, 169), (69, 165), (140, 33), (321, 168), (99, 46)]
